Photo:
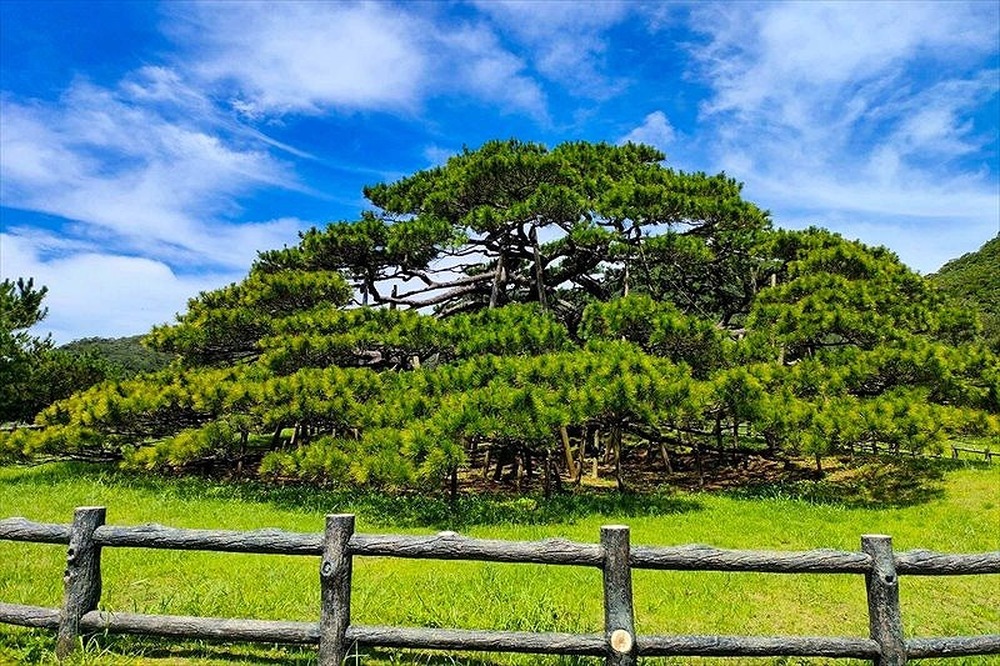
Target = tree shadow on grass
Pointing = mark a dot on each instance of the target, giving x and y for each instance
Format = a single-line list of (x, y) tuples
[(864, 482), (399, 509), (478, 509)]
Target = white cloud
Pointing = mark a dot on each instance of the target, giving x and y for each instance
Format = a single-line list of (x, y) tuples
[(471, 60), (771, 56), (566, 41), (99, 294), (437, 155), (127, 172), (305, 57), (313, 57), (862, 115), (655, 131)]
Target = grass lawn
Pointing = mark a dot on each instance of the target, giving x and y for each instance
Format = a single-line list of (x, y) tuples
[(963, 515)]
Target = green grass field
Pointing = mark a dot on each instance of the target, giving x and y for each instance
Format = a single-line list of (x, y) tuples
[(960, 514)]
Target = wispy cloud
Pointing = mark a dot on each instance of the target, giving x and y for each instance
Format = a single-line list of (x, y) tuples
[(314, 58), (565, 41), (99, 293), (305, 57), (124, 170), (855, 111)]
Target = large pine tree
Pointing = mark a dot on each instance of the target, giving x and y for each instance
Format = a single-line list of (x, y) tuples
[(520, 307)]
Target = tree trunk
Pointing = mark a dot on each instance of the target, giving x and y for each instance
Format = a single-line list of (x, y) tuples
[(616, 443), (498, 280), (736, 442), (539, 272), (244, 438), (718, 432), (770, 440), (666, 458), (697, 460), (581, 452), (568, 449), (296, 435), (547, 476), (501, 456)]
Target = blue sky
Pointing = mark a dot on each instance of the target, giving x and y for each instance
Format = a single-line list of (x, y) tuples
[(148, 151)]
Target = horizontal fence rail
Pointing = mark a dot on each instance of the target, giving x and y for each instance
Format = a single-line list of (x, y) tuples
[(619, 645)]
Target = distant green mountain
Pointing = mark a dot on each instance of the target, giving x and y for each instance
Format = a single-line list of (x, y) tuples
[(126, 355), (974, 280)]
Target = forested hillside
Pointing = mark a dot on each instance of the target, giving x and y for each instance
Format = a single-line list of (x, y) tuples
[(125, 356), (521, 308), (974, 281)]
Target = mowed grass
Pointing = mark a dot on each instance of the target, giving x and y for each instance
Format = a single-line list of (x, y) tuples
[(964, 516)]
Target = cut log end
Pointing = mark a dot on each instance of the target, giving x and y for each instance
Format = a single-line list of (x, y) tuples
[(621, 641)]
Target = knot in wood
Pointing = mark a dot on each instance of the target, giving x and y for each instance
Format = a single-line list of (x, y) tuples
[(621, 641), (327, 568)]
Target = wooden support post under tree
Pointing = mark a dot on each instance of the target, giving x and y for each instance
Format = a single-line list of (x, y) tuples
[(335, 589), (619, 617), (82, 580), (568, 450), (616, 447), (882, 584)]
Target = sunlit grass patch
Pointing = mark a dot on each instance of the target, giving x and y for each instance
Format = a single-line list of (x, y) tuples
[(963, 518)]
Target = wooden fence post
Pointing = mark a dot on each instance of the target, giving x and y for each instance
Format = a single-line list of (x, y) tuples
[(335, 589), (882, 584), (82, 580), (619, 619)]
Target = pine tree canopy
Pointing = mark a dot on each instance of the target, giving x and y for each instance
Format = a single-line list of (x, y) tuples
[(519, 302)]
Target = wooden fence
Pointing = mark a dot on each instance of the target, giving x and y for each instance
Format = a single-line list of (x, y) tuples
[(876, 448), (987, 454), (618, 644)]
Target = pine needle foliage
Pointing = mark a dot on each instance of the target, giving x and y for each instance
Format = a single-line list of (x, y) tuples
[(521, 309)]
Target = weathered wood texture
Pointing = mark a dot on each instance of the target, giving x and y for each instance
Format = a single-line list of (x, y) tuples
[(171, 538), (619, 616), (927, 563), (202, 628), (335, 589), (706, 558), (953, 646), (550, 551), (450, 546), (478, 640), (618, 644), (82, 580), (29, 616), (22, 529), (882, 585), (757, 646)]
